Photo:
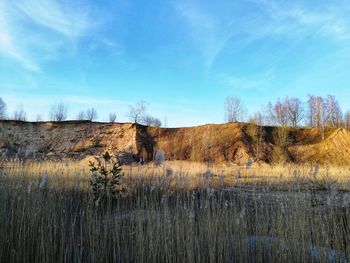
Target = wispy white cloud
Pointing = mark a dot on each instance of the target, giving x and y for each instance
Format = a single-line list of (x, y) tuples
[(34, 30), (72, 21), (105, 43), (299, 20), (7, 42), (254, 82), (248, 21), (208, 33)]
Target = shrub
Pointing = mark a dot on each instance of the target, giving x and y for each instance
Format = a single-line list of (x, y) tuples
[(169, 171), (278, 155), (106, 178)]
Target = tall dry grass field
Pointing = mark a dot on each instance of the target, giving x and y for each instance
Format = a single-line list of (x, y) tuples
[(178, 212)]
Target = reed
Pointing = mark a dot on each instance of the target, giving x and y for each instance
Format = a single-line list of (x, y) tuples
[(175, 212)]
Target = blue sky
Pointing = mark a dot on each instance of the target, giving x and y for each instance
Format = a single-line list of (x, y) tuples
[(182, 57)]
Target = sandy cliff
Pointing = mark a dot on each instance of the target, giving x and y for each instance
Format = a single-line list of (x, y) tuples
[(233, 142)]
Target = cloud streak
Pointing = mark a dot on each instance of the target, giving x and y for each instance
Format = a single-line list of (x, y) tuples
[(208, 33), (253, 83), (33, 30), (249, 21), (7, 42), (72, 21), (299, 20)]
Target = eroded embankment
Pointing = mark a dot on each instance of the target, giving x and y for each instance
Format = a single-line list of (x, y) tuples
[(231, 142)]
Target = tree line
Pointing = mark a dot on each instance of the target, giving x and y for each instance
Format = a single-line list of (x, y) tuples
[(316, 111), (59, 112)]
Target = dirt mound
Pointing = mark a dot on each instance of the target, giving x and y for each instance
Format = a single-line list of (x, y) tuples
[(234, 142), (334, 149)]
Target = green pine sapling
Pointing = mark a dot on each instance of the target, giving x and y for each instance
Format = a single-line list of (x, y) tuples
[(106, 178)]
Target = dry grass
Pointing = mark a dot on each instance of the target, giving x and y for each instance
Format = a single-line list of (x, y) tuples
[(179, 212), (278, 177)]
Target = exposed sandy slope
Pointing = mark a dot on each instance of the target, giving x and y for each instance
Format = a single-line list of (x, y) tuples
[(220, 143), (214, 142), (335, 149), (65, 140)]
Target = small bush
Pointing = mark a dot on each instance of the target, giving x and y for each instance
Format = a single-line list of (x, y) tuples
[(106, 178), (278, 155), (169, 171)]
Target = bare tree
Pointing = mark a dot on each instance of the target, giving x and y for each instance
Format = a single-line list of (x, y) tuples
[(311, 103), (333, 112), (234, 109), (112, 117), (137, 111), (295, 111), (347, 120), (151, 121), (320, 112), (91, 114), (317, 109), (278, 113), (2, 109), (19, 114), (58, 112), (81, 116), (156, 123), (257, 118), (38, 117), (324, 112)]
